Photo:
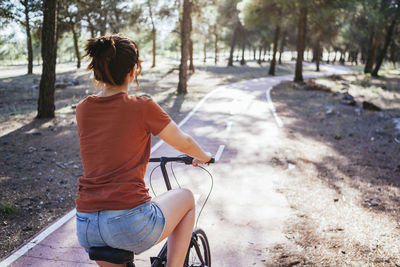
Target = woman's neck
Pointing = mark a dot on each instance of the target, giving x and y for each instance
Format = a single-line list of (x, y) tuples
[(112, 90)]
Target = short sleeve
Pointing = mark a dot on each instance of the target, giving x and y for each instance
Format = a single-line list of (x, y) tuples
[(154, 117)]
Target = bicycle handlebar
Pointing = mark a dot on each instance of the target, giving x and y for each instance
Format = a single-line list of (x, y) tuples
[(183, 159)]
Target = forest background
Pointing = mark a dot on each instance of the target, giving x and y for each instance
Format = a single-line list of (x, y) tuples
[(335, 30), (345, 201)]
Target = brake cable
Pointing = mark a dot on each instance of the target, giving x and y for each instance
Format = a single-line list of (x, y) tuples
[(173, 173)]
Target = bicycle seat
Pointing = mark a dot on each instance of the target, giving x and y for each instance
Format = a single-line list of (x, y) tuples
[(109, 254)]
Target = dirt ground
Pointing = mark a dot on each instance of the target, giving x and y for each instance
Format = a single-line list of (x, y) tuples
[(344, 190), (344, 165), (40, 162)]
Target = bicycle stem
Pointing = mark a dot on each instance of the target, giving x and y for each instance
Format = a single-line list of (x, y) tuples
[(163, 163)]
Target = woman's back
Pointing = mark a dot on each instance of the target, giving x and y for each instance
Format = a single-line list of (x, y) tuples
[(115, 134)]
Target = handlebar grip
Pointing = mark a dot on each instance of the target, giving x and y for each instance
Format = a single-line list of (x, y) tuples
[(189, 160), (212, 160)]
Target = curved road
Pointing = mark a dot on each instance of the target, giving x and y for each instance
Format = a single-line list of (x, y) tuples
[(244, 216)]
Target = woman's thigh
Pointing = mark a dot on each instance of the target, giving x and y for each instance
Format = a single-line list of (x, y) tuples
[(174, 204)]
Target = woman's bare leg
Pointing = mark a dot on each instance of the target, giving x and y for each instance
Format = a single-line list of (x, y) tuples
[(179, 210)]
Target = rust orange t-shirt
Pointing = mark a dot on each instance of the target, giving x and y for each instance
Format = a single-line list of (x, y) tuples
[(115, 141)]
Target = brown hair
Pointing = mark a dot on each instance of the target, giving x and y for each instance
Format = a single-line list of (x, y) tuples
[(113, 57)]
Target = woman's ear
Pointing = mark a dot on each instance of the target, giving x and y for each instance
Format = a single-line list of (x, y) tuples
[(133, 71), (131, 74)]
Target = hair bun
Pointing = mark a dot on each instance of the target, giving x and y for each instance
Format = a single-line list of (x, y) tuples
[(102, 47)]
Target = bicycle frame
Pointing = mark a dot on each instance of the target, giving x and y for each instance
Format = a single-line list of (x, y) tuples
[(103, 253), (163, 163), (159, 261)]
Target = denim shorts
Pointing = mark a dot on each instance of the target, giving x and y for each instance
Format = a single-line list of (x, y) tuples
[(136, 229)]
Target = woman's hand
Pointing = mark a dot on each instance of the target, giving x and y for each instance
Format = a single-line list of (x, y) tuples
[(196, 161)]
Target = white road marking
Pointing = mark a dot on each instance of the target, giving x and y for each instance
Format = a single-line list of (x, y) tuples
[(13, 257), (17, 254), (229, 126), (38, 239), (396, 122), (159, 143), (219, 152)]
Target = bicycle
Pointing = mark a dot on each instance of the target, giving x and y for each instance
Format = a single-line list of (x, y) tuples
[(198, 254)]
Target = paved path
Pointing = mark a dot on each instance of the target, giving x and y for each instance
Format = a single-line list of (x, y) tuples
[(245, 215)]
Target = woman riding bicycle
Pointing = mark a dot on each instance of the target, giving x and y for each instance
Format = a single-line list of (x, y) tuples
[(113, 205)]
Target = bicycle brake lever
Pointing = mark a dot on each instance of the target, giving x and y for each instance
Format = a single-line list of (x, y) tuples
[(188, 160)]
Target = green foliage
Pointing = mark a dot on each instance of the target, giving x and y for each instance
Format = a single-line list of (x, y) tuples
[(228, 15), (16, 11), (112, 16), (343, 25), (256, 14), (12, 51), (7, 208)]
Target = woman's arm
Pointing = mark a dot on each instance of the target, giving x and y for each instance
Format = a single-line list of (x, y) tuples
[(183, 142)]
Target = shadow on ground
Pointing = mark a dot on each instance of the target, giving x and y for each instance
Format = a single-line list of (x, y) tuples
[(348, 176), (38, 178)]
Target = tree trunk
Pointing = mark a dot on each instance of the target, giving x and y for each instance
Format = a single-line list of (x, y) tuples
[(273, 61), (341, 59), (216, 46), (265, 49), (28, 38), (254, 53), (382, 54), (103, 30), (153, 36), (317, 53), (242, 61), (283, 43), (354, 57), (58, 35), (91, 28), (328, 60), (233, 42), (153, 33), (334, 59), (205, 50), (314, 53), (393, 54), (191, 66), (259, 54), (46, 106), (301, 36), (185, 39), (103, 18), (77, 53), (371, 55)]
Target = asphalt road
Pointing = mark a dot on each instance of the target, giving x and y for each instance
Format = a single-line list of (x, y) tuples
[(244, 216)]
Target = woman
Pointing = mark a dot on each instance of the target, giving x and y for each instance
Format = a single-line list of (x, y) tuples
[(113, 205)]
